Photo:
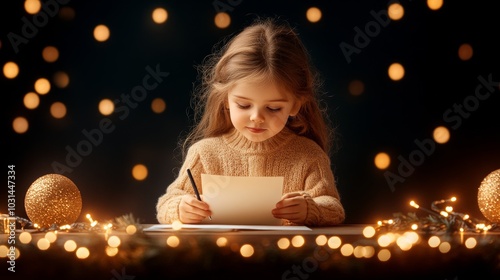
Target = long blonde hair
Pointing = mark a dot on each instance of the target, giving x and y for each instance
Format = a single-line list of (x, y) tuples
[(265, 49)]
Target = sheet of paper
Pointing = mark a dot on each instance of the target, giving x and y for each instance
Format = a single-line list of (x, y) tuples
[(240, 200), (169, 227)]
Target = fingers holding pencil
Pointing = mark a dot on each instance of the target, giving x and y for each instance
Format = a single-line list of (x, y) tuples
[(195, 188), (192, 210)]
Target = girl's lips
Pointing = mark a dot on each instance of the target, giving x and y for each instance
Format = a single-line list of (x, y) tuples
[(255, 130)]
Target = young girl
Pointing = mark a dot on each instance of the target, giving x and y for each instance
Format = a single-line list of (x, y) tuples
[(259, 117)]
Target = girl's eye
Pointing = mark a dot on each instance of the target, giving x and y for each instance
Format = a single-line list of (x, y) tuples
[(274, 109), (242, 106)]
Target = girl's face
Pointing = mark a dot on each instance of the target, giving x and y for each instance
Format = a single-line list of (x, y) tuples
[(260, 110)]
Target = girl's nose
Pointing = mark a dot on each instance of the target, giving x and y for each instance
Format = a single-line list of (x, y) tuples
[(257, 117)]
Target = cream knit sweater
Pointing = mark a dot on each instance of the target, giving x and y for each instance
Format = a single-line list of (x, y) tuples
[(303, 164)]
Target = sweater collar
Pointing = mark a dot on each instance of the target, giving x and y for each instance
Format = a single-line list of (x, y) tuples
[(237, 141)]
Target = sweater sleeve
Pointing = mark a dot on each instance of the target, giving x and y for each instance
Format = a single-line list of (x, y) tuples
[(323, 200), (167, 207)]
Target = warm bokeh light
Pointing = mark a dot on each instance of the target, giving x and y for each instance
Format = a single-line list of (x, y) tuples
[(321, 240), (131, 229), (70, 245), (67, 13), (347, 249), (298, 241), (221, 242), (222, 20), (32, 6), (356, 87), (395, 11), (382, 160), (51, 236), (42, 86), (58, 110), (283, 243), (4, 250), (391, 237), (31, 100), (368, 251), (384, 255), (158, 105), (106, 107), (396, 71), (10, 70), (101, 33), (444, 247), (173, 241), (334, 242), (159, 15), (384, 240), (246, 250), (50, 53), (465, 52), (434, 241), (20, 125), (403, 243), (111, 251), (43, 244), (441, 134), (434, 4), (358, 252), (114, 241), (61, 79), (139, 172), (470, 242), (82, 253), (369, 232), (25, 237), (313, 14)]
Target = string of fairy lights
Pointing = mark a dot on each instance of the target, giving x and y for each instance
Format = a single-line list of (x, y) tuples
[(382, 238), (437, 228), (122, 238)]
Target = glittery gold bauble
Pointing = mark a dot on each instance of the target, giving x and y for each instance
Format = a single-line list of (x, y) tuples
[(53, 199), (489, 197)]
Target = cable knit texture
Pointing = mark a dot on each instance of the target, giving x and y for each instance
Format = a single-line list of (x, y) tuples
[(303, 164)]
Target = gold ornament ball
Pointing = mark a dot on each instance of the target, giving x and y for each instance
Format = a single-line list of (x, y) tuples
[(489, 197), (53, 199)]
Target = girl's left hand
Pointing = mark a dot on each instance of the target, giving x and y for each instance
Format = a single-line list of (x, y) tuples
[(293, 207)]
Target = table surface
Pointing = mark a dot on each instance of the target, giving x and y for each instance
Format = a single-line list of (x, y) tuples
[(340, 252)]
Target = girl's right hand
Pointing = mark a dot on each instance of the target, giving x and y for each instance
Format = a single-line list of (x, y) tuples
[(192, 210)]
